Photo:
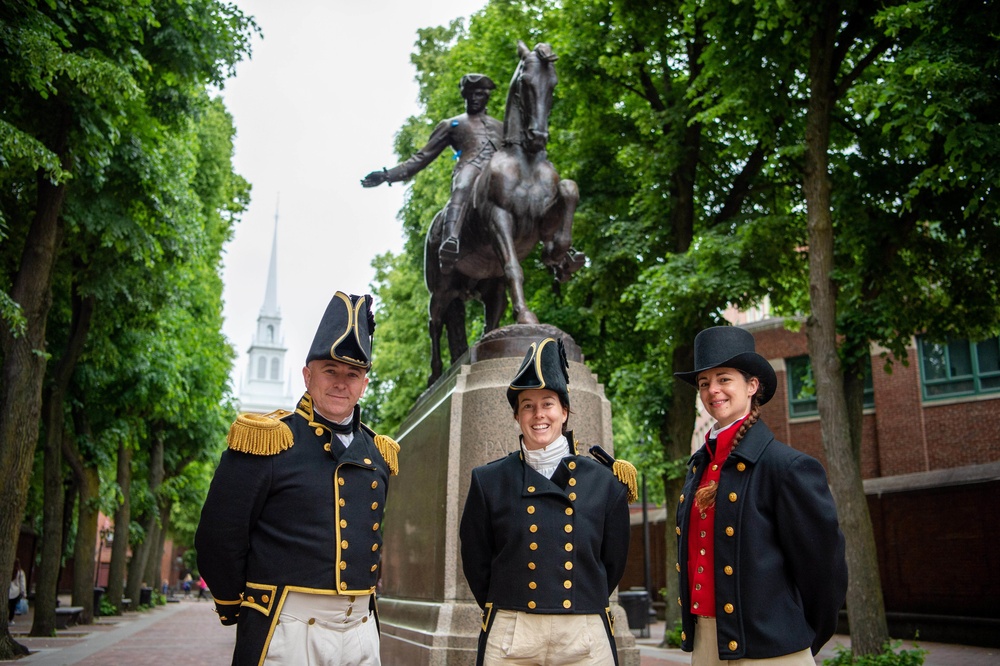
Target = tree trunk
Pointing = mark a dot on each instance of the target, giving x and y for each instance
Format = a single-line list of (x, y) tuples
[(21, 375), (676, 439), (141, 552), (123, 516), (88, 483), (866, 613), (46, 587)]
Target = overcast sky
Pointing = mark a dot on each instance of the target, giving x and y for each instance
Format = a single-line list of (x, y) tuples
[(315, 109)]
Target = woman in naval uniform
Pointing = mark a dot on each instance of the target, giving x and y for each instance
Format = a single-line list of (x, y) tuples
[(760, 551), (545, 532)]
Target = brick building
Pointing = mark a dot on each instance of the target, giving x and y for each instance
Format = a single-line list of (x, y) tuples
[(931, 467)]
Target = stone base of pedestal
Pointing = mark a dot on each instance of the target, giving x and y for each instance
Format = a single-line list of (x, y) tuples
[(427, 613)]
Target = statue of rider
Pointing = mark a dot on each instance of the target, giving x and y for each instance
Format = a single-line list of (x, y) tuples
[(474, 136)]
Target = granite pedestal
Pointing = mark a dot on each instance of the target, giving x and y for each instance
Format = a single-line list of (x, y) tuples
[(427, 613)]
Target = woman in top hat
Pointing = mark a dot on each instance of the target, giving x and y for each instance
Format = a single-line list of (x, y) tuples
[(545, 531), (760, 551)]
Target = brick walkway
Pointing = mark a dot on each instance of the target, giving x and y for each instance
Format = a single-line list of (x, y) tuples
[(188, 633)]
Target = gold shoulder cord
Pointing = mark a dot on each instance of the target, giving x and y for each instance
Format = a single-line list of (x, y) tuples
[(625, 471), (390, 451), (260, 435)]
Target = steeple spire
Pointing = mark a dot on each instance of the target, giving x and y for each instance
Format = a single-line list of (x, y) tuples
[(270, 307)]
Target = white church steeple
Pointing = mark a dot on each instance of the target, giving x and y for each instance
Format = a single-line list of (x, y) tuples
[(265, 387)]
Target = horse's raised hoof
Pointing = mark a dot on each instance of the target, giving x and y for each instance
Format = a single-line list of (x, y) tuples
[(571, 263)]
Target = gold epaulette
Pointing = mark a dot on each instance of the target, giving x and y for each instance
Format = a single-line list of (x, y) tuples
[(625, 471), (260, 434), (389, 449)]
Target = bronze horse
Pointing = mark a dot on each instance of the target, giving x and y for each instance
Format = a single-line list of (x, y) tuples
[(518, 201)]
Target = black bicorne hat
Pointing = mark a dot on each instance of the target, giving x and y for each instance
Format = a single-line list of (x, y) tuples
[(345, 332), (730, 347), (473, 81), (544, 367)]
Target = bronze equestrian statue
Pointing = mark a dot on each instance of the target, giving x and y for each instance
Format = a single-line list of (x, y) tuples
[(517, 201)]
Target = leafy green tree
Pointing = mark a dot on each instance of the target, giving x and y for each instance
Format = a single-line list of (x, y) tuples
[(77, 79)]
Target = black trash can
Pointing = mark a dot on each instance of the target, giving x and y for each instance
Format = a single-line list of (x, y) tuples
[(98, 595), (636, 606), (146, 596)]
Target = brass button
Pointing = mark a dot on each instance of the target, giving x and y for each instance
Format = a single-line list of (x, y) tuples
[(531, 604), (533, 546), (678, 530), (342, 565), (319, 430), (312, 620), (531, 489), (250, 600), (572, 464), (531, 565), (265, 598), (568, 547), (364, 619), (741, 467), (340, 481), (568, 566), (729, 570), (567, 603), (343, 544), (702, 551), (677, 566), (374, 547), (368, 461), (702, 533), (697, 586), (374, 484), (350, 609), (351, 598), (732, 497), (531, 508), (569, 511), (715, 467), (572, 482), (375, 527), (730, 531), (568, 529), (679, 601), (374, 567), (684, 636), (533, 528), (728, 608), (682, 497), (326, 447), (343, 586), (733, 645), (695, 605), (342, 502), (703, 516), (567, 584), (343, 523), (532, 585), (572, 497), (374, 506), (700, 569)]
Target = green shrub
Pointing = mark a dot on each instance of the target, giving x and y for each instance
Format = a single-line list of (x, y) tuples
[(107, 608), (888, 657), (673, 637)]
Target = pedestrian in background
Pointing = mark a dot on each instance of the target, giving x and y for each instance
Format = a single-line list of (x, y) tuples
[(18, 590)]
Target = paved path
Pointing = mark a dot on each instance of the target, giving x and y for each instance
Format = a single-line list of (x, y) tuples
[(188, 633)]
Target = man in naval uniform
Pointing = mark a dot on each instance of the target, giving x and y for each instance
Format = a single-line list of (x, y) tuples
[(545, 531), (290, 535), (474, 136)]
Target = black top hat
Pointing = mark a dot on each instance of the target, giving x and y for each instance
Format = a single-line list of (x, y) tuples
[(730, 347), (473, 81), (544, 367), (345, 332)]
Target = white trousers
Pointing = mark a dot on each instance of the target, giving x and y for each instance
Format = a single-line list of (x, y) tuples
[(706, 650), (324, 630), (534, 639)]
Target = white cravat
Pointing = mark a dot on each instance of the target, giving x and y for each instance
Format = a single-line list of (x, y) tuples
[(546, 460)]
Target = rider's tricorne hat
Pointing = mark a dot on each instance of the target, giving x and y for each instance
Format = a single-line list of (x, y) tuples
[(544, 367), (473, 81), (730, 347), (345, 332)]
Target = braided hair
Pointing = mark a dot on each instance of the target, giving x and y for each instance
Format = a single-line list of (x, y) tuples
[(704, 497)]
